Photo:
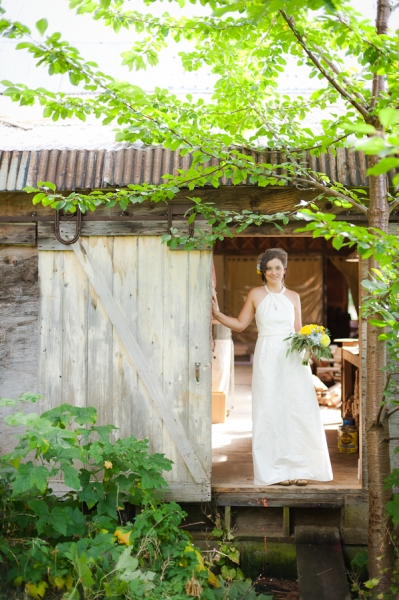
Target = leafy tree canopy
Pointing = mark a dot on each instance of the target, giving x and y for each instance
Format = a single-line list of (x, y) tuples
[(246, 45)]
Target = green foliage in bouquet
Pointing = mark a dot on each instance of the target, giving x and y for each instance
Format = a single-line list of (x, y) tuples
[(314, 340)]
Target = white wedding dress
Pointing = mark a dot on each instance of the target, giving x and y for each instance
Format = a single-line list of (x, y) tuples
[(288, 439)]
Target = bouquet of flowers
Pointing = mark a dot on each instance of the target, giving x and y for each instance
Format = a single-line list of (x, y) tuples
[(314, 339)]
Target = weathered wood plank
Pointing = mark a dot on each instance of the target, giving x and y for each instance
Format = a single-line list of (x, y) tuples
[(18, 233), (141, 363), (100, 354), (51, 273), (19, 305), (321, 568), (311, 498), (199, 351), (74, 287), (132, 406), (175, 367), (188, 492), (354, 521), (266, 200), (151, 294)]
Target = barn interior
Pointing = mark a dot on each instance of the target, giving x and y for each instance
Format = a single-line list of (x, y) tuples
[(327, 281)]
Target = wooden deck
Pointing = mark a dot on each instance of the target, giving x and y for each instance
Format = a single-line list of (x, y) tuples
[(232, 470)]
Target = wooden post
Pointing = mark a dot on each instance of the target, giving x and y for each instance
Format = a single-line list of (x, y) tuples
[(286, 521)]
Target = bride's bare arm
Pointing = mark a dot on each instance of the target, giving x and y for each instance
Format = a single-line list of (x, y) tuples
[(244, 318), (298, 313)]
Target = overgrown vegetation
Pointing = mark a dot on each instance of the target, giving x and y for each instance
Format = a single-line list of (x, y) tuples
[(246, 44), (81, 544)]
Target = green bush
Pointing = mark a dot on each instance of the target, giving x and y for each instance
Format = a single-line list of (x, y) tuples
[(78, 544)]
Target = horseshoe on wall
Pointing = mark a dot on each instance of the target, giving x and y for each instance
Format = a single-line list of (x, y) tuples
[(78, 227)]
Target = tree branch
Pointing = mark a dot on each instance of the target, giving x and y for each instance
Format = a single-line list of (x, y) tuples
[(392, 205), (328, 191), (334, 68), (383, 406), (392, 411), (291, 24)]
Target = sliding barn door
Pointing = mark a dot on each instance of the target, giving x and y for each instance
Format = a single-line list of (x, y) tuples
[(124, 327)]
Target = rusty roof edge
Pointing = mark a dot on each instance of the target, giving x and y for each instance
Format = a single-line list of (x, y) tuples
[(119, 167)]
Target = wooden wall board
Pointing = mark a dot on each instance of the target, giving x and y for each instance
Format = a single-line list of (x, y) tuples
[(18, 234), (131, 409), (100, 335), (19, 305), (199, 351), (50, 371), (175, 358)]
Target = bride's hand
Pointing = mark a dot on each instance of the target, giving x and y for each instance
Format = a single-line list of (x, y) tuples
[(215, 305)]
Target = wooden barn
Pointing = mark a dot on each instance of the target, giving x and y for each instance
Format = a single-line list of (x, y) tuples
[(119, 321)]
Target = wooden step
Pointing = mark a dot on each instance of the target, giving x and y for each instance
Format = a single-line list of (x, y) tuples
[(321, 568)]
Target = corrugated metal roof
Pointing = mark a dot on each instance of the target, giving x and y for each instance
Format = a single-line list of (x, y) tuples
[(117, 167)]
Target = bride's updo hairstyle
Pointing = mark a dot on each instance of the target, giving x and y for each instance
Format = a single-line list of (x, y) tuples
[(265, 257)]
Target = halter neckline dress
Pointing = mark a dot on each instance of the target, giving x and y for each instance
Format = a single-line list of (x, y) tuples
[(288, 439)]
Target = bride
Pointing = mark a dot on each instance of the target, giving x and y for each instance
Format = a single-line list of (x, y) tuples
[(288, 440)]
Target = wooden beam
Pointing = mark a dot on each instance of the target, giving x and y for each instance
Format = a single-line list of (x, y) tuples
[(269, 498), (140, 362), (265, 200), (18, 234), (48, 241)]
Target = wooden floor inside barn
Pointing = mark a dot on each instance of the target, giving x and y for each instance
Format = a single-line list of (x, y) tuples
[(232, 469)]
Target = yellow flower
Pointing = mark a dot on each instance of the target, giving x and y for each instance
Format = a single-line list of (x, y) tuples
[(306, 330), (123, 537), (108, 464), (325, 340), (258, 272)]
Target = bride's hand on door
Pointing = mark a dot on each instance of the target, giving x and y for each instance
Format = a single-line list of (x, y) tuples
[(215, 305)]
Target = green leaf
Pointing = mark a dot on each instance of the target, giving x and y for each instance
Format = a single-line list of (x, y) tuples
[(30, 477), (372, 145), (80, 564), (47, 184), (388, 116), (38, 197), (41, 26), (71, 477), (127, 563), (377, 323), (385, 165), (372, 583), (359, 128), (8, 402), (39, 477), (337, 242), (360, 559), (395, 288)]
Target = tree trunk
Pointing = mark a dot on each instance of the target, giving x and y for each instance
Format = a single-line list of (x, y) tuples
[(381, 558), (380, 541)]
